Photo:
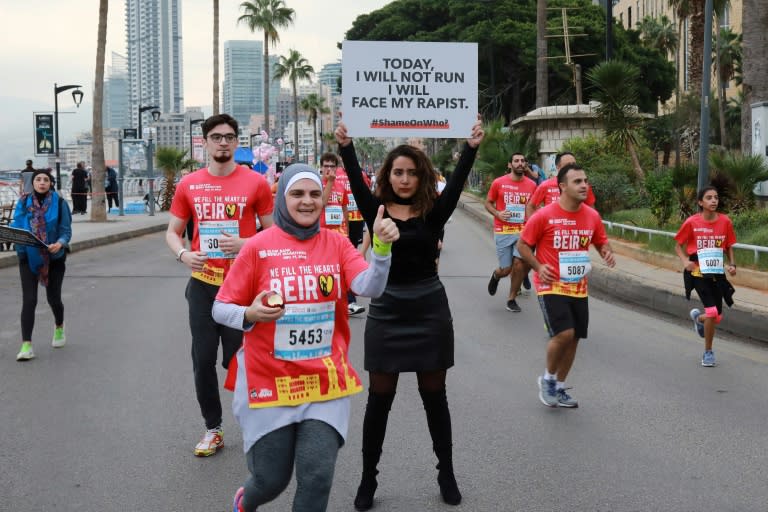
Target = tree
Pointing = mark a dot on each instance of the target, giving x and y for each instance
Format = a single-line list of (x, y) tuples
[(314, 105), (294, 68), (739, 174), (498, 145), (615, 86), (727, 56), (215, 57), (542, 76), (268, 16), (171, 160), (755, 65), (659, 34), (98, 206)]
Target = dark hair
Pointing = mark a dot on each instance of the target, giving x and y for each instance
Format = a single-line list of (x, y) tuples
[(560, 156), (515, 154), (329, 157), (700, 195), (425, 196), (29, 162), (562, 172), (214, 121)]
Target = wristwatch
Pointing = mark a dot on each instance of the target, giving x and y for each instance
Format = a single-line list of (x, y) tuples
[(178, 254)]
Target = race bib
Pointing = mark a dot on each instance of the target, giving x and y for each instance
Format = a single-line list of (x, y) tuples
[(711, 261), (305, 331), (210, 232), (351, 203), (333, 215), (517, 212), (574, 266)]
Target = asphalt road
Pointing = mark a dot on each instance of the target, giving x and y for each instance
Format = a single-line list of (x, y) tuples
[(108, 423)]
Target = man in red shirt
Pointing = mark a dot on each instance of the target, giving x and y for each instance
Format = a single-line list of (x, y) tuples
[(506, 201), (223, 201), (548, 190), (561, 234)]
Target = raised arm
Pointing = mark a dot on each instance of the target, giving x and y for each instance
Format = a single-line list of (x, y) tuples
[(367, 203)]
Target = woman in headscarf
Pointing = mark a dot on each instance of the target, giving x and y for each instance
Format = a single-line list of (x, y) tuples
[(292, 378), (44, 213)]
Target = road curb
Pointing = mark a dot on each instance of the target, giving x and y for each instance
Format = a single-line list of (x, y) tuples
[(10, 260), (741, 321)]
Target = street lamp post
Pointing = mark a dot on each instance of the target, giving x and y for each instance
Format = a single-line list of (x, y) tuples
[(155, 116), (77, 96), (192, 122)]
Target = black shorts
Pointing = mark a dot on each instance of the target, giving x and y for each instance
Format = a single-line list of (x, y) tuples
[(562, 312), (709, 292)]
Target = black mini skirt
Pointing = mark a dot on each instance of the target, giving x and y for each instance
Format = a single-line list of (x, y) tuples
[(409, 329)]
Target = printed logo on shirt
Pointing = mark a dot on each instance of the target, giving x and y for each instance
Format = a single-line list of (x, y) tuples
[(286, 254), (326, 284), (262, 393), (230, 210)]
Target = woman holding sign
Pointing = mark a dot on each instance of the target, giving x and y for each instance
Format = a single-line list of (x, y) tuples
[(46, 215), (702, 242), (292, 378), (409, 328)]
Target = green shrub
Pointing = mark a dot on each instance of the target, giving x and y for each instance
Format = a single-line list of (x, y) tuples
[(658, 185), (613, 191)]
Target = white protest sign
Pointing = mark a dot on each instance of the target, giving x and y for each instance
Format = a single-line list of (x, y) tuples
[(408, 89)]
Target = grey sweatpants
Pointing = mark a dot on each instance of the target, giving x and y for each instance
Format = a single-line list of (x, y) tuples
[(314, 446)]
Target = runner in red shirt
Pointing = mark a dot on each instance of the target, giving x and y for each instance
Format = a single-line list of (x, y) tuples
[(506, 201), (223, 201), (335, 198), (703, 241), (561, 234), (292, 379), (548, 190)]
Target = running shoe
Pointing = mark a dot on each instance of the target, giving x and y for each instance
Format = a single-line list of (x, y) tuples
[(697, 326), (708, 359), (25, 353), (513, 307), (566, 400), (212, 440), (493, 284), (526, 282), (354, 308), (548, 392), (59, 338), (237, 499)]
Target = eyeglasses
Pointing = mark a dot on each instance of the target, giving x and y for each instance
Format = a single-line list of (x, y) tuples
[(216, 137)]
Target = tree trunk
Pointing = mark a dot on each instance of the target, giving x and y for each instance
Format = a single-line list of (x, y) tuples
[(98, 206), (314, 141), (635, 161), (295, 119), (755, 65), (215, 57), (266, 86), (542, 84), (721, 85), (696, 61)]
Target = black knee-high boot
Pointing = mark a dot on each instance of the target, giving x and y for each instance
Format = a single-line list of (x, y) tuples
[(374, 430), (439, 422)]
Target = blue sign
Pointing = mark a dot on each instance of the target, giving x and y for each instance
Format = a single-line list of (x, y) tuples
[(260, 167)]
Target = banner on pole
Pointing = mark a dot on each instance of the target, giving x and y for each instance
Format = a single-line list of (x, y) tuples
[(409, 89), (44, 134)]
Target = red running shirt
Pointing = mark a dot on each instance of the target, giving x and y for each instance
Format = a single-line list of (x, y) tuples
[(508, 194), (707, 238), (548, 192)]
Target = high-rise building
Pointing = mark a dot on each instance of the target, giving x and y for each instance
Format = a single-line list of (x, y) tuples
[(330, 75), (117, 109), (243, 87), (153, 33)]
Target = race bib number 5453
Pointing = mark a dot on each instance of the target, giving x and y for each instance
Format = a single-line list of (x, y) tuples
[(305, 331)]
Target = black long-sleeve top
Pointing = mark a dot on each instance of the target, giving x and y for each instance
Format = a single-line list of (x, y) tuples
[(414, 254)]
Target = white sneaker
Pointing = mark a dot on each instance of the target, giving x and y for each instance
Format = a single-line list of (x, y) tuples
[(25, 353), (354, 308), (212, 441), (59, 337)]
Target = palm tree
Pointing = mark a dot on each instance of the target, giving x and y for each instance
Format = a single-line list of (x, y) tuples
[(98, 207), (659, 34), (266, 15), (314, 105), (171, 160), (682, 10), (727, 56), (294, 68), (740, 174), (615, 87), (755, 65), (498, 145), (542, 77), (215, 57)]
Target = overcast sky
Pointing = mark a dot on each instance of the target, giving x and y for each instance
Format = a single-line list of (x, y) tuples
[(43, 42)]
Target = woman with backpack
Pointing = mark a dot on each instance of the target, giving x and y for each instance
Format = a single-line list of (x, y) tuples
[(45, 214)]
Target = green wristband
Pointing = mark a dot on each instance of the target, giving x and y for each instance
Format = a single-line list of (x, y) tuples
[(380, 248)]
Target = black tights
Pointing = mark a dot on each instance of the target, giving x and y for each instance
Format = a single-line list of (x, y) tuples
[(386, 383), (29, 287)]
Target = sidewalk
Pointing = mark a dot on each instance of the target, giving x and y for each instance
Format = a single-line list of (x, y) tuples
[(87, 234), (644, 279)]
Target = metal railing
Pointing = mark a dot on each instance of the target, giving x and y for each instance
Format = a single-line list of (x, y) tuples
[(756, 249)]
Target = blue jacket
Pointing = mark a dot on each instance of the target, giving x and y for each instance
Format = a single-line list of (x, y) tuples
[(57, 229)]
